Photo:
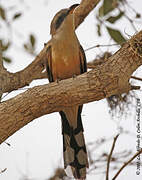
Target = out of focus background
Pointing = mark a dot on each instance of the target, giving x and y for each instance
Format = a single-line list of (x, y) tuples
[(35, 151)]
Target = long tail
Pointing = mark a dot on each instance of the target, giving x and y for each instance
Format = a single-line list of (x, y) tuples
[(75, 154)]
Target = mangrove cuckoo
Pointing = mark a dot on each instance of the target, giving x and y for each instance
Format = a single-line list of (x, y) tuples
[(66, 58)]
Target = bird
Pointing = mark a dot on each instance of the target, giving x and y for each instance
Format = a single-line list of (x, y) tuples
[(65, 58)]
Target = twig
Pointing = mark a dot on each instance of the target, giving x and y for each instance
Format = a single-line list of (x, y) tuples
[(125, 164), (137, 78), (7, 143), (109, 157), (103, 45), (135, 87), (131, 22), (2, 171)]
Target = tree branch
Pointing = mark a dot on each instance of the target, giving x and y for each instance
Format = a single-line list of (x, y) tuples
[(86, 6), (125, 164), (105, 80), (109, 157), (14, 81), (2, 171), (136, 78)]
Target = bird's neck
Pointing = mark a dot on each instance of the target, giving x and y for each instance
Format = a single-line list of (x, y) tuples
[(67, 28)]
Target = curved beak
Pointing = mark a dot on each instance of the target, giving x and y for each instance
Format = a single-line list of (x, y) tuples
[(71, 9)]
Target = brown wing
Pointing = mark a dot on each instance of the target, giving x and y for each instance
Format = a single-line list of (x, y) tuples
[(83, 69), (48, 63), (83, 63)]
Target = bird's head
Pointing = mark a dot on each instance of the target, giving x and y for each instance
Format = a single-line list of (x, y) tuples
[(60, 17)]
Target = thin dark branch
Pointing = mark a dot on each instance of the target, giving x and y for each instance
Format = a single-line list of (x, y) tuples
[(8, 144), (137, 78), (103, 45), (109, 157), (135, 87), (2, 171), (131, 22), (125, 164)]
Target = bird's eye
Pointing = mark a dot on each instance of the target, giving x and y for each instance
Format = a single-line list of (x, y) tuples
[(60, 20)]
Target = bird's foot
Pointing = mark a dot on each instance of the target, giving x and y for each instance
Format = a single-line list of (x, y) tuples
[(57, 80), (74, 76)]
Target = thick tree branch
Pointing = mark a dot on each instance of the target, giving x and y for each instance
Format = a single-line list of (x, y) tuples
[(105, 80), (13, 81), (86, 6)]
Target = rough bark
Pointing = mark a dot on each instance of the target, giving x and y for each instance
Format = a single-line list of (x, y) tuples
[(109, 78), (86, 6), (13, 81)]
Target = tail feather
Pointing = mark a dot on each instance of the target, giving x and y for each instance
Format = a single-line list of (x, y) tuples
[(75, 154)]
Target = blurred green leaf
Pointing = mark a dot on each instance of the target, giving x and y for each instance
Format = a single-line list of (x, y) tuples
[(138, 15), (26, 47), (113, 19), (17, 15), (32, 40), (116, 35), (7, 59), (2, 13), (99, 29), (101, 11), (29, 49), (107, 6)]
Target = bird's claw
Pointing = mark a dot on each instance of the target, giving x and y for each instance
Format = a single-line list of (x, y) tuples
[(57, 80), (74, 76)]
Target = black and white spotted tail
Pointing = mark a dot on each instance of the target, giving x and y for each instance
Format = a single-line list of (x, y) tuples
[(74, 149)]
